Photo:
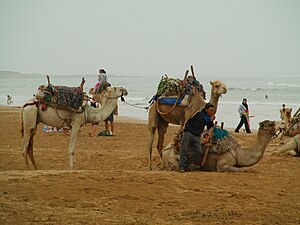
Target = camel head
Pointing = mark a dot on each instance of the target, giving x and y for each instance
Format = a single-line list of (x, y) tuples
[(269, 126), (41, 92), (218, 88), (115, 92), (92, 91), (286, 115)]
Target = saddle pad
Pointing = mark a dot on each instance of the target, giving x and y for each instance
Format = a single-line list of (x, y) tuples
[(65, 97), (171, 100)]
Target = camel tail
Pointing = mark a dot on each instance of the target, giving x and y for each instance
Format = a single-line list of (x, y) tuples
[(21, 124)]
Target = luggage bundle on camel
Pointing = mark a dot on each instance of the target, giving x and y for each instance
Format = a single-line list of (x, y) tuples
[(62, 97), (172, 91)]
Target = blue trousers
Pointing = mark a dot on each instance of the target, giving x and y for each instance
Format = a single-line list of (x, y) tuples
[(189, 141)]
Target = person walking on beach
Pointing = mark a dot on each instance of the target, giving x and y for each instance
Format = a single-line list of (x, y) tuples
[(244, 114), (191, 135), (93, 104)]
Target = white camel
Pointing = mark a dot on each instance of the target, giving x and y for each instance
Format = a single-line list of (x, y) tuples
[(32, 114), (292, 147)]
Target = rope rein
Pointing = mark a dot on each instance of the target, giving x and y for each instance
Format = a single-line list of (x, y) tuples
[(139, 107)]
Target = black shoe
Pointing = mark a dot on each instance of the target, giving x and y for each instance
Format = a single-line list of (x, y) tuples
[(236, 131)]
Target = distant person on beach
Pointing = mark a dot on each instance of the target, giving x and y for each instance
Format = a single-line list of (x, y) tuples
[(244, 114), (9, 100), (94, 104), (191, 135), (102, 83), (266, 97)]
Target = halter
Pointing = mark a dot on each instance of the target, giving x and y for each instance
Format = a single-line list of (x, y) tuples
[(271, 132), (122, 98)]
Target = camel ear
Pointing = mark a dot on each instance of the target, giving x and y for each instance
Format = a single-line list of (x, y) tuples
[(211, 82)]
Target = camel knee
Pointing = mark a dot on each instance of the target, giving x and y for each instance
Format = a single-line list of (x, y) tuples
[(293, 153)]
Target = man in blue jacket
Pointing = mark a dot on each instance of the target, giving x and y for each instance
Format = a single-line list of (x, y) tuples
[(191, 135)]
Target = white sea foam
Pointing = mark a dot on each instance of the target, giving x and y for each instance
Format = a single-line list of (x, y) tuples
[(279, 89)]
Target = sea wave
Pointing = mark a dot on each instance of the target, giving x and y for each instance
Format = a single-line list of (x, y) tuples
[(246, 89), (277, 84), (261, 103)]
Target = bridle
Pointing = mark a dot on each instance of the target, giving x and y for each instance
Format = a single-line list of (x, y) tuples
[(274, 133), (121, 96)]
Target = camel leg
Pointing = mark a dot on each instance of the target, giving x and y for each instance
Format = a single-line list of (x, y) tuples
[(226, 163), (30, 152), (285, 150), (152, 125), (162, 129), (150, 144), (73, 139), (228, 168), (29, 116), (26, 140), (28, 147)]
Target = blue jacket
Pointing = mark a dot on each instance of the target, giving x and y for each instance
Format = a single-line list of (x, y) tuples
[(197, 123)]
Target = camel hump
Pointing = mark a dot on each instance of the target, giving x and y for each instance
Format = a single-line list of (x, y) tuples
[(170, 87)]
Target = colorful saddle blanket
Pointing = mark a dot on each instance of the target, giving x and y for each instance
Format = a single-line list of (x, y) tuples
[(64, 97)]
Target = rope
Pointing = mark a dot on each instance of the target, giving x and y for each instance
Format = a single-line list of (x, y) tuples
[(170, 109), (139, 107), (65, 120)]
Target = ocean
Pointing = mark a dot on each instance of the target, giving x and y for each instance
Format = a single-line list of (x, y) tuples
[(278, 88)]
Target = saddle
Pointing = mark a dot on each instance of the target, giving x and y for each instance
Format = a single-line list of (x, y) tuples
[(171, 100), (219, 139), (62, 97), (172, 91)]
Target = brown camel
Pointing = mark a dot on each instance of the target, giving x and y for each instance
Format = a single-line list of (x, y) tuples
[(235, 159), (160, 115), (286, 115)]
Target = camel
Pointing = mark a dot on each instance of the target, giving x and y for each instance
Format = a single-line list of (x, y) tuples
[(233, 160), (292, 147), (286, 115), (160, 115), (32, 114)]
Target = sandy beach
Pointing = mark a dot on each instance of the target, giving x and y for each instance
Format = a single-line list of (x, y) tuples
[(110, 183)]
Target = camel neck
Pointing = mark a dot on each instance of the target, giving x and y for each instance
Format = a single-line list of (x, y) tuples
[(214, 100), (101, 113), (252, 155)]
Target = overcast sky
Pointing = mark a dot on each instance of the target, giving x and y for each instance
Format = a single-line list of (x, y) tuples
[(150, 37)]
